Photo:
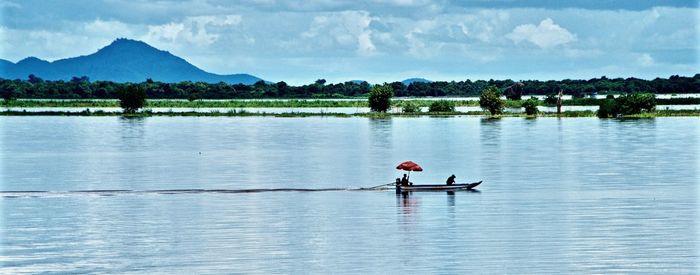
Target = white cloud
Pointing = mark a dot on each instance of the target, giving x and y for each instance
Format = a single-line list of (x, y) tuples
[(545, 35), (108, 28), (406, 3), (168, 31), (346, 30), (645, 60), (192, 29)]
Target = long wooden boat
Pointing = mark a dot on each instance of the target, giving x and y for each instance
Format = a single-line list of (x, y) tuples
[(437, 187)]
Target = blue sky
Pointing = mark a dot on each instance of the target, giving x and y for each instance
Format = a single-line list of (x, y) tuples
[(374, 40)]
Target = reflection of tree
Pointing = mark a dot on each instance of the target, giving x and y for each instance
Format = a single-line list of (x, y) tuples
[(490, 135), (132, 131), (380, 131)]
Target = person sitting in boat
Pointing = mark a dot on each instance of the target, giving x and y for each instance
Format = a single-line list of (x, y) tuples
[(451, 180), (398, 181), (404, 180)]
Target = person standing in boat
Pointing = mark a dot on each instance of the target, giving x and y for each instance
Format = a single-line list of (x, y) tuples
[(451, 180), (404, 180)]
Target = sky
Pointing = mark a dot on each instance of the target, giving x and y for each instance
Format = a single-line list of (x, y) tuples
[(374, 40)]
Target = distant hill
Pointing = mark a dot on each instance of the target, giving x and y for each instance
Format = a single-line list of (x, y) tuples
[(411, 80), (124, 60)]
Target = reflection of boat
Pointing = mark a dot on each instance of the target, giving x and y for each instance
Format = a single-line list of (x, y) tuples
[(437, 187)]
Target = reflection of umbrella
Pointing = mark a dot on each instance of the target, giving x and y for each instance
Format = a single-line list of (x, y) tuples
[(409, 166)]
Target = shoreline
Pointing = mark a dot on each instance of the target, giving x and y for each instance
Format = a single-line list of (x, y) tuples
[(87, 112), (299, 103)]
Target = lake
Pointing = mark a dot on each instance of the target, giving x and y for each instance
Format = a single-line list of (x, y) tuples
[(175, 195)]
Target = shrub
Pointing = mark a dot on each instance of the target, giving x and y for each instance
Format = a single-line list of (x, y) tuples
[(634, 103), (530, 106), (630, 104), (515, 91), (380, 98), (410, 107), (131, 97), (551, 99), (607, 108), (490, 100), (442, 106)]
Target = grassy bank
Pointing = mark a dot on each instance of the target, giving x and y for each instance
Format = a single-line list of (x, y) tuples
[(658, 113), (297, 103)]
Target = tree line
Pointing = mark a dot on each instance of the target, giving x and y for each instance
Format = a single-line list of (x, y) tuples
[(490, 100), (83, 88)]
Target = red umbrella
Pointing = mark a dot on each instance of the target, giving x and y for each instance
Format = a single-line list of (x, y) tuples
[(409, 166)]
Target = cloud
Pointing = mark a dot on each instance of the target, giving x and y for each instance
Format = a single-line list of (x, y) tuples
[(348, 29), (300, 41), (192, 29), (645, 60), (7, 4), (545, 35), (108, 28)]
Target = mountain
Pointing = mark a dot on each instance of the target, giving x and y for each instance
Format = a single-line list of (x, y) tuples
[(411, 80), (124, 60)]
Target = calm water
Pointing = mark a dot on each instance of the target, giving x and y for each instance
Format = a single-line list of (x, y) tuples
[(576, 195)]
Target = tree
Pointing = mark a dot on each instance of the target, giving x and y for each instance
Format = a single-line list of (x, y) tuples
[(131, 97), (634, 103), (399, 88), (8, 95), (607, 108), (193, 97), (34, 79), (442, 106), (551, 99), (380, 98), (630, 104), (490, 100), (530, 106), (282, 88), (515, 91)]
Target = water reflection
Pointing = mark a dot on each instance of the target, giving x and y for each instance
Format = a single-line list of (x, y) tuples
[(407, 203), (380, 131), (451, 198), (490, 130), (576, 195), (132, 127)]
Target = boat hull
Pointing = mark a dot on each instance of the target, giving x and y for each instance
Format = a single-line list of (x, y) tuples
[(437, 187)]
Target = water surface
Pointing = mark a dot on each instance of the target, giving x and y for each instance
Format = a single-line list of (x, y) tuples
[(574, 195)]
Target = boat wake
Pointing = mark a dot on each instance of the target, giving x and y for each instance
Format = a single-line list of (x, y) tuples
[(20, 194)]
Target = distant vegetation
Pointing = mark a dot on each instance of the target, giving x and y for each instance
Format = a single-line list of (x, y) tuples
[(302, 103), (131, 98), (409, 106), (442, 106), (83, 88), (632, 104), (380, 98), (530, 106), (491, 100), (235, 113)]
